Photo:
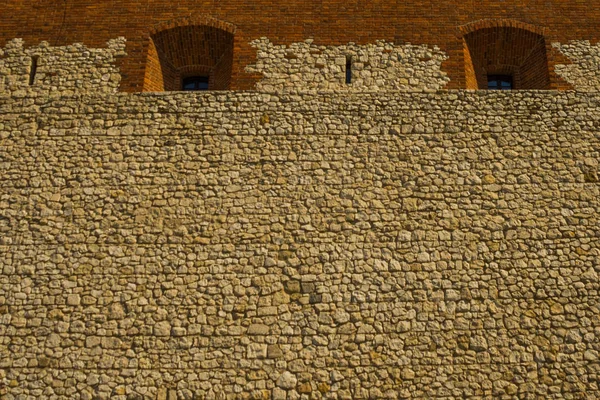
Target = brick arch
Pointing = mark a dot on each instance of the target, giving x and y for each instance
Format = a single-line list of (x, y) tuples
[(499, 23), (203, 20), (187, 46), (505, 47)]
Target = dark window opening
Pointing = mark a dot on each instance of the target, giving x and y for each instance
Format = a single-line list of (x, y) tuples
[(195, 83), (504, 58), (500, 82), (175, 55), (348, 70), (33, 70)]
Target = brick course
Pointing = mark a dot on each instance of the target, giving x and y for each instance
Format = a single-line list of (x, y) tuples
[(333, 23)]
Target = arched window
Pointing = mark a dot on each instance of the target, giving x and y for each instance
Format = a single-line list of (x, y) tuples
[(190, 57), (505, 57)]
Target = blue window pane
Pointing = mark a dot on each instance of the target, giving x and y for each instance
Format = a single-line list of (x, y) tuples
[(500, 82), (195, 83)]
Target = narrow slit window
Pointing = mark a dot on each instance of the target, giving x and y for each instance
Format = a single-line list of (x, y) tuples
[(33, 70), (348, 70)]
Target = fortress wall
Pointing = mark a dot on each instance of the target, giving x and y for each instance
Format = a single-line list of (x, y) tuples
[(69, 69), (336, 23), (77, 69), (375, 66), (584, 71), (300, 245)]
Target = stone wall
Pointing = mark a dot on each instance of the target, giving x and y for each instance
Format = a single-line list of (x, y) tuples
[(69, 69), (374, 66), (584, 71), (77, 69), (301, 245)]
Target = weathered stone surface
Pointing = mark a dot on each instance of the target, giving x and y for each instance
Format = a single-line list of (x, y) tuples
[(375, 66), (258, 329), (73, 69), (274, 351), (478, 343), (304, 388), (373, 245), (287, 380), (116, 311), (257, 350), (73, 300), (162, 328), (584, 71), (408, 374), (279, 394)]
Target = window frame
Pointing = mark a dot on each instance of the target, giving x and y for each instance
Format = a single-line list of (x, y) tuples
[(198, 80), (503, 82)]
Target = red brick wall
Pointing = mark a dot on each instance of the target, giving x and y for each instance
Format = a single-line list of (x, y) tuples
[(328, 22), (181, 51), (154, 79), (501, 47)]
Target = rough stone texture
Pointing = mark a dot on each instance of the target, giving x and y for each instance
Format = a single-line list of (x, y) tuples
[(363, 245), (374, 66), (70, 69), (287, 380), (584, 72)]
